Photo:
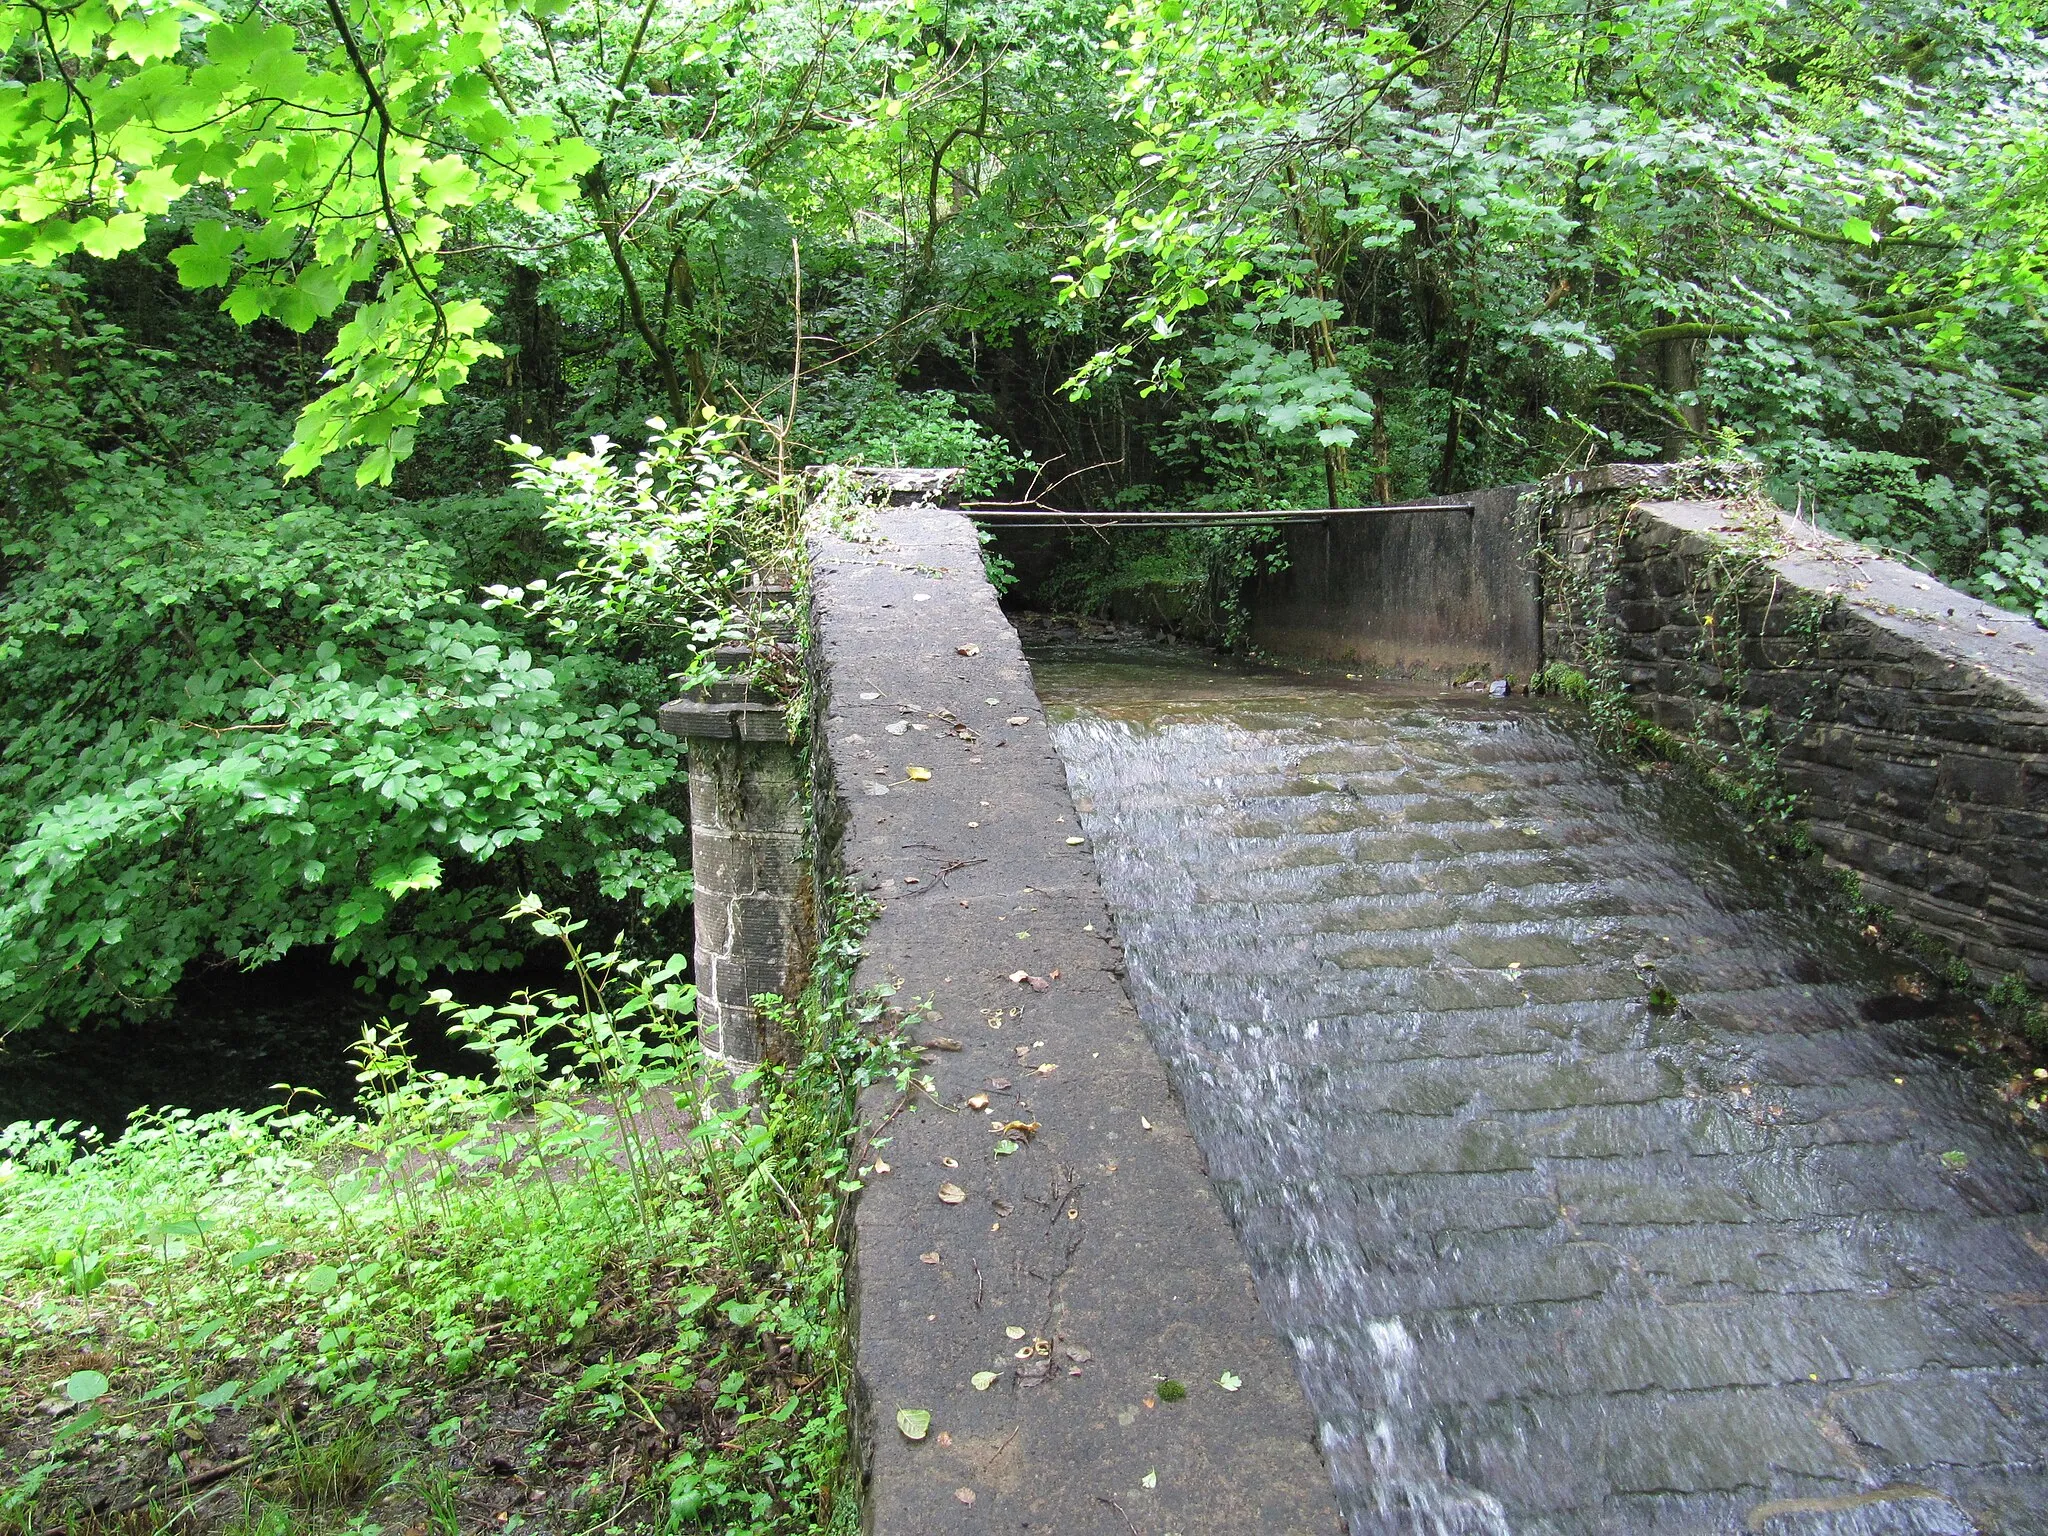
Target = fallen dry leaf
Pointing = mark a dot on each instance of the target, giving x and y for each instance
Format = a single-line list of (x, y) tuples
[(880, 1166), (929, 1258), (1147, 1124), (977, 1101), (1037, 983), (983, 1380), (999, 1083), (1020, 975), (964, 1495), (1024, 1128), (1013, 1332), (1020, 720), (897, 727), (1078, 1355), (917, 773), (940, 1043), (951, 1194), (1046, 1069), (967, 650)]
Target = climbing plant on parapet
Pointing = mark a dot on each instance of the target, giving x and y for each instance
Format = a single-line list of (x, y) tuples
[(317, 156)]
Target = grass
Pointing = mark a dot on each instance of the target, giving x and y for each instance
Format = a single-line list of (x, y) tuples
[(595, 1288)]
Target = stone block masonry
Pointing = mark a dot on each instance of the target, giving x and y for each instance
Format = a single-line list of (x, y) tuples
[(747, 788), (1910, 718), (1028, 1288)]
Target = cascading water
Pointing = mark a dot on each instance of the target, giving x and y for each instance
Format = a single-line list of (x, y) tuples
[(1555, 1256)]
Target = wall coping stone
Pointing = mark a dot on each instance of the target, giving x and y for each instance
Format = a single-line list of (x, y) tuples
[(724, 721), (1893, 596), (1097, 1234), (901, 487)]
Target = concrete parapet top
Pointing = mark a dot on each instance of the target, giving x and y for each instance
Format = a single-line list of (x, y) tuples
[(904, 487), (1963, 628), (724, 720), (1045, 1247), (1958, 627)]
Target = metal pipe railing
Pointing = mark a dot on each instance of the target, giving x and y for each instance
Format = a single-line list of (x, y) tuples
[(1046, 517)]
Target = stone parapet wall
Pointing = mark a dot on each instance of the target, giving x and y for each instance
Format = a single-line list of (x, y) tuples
[(1911, 719)]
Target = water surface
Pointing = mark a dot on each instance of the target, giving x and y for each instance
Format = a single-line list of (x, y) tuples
[(1553, 1259)]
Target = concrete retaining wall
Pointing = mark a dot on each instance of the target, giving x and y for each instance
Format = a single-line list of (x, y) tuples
[(1027, 1292), (1911, 718), (1430, 593)]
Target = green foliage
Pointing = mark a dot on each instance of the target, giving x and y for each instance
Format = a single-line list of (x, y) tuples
[(1194, 581), (864, 420), (310, 157), (591, 1220), (245, 718), (2016, 573), (1620, 233), (662, 550), (1564, 681)]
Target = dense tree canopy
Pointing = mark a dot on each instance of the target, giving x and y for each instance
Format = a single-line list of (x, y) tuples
[(280, 278)]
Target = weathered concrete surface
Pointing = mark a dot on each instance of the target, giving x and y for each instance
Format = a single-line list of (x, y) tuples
[(1100, 1236), (1407, 593), (1912, 718)]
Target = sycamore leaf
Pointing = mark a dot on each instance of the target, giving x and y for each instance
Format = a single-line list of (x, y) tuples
[(422, 872)]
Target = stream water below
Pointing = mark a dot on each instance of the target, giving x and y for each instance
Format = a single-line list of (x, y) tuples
[(1553, 1255)]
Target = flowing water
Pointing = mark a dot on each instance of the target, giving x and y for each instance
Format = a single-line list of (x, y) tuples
[(1556, 1253)]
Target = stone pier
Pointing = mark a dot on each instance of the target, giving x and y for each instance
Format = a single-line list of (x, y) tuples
[(747, 788)]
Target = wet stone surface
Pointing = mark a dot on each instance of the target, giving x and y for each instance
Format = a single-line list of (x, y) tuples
[(1549, 1260)]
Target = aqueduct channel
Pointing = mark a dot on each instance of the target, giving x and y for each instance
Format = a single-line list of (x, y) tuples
[(1355, 1103)]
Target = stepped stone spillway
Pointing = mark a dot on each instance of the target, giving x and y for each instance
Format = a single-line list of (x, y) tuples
[(1551, 1261)]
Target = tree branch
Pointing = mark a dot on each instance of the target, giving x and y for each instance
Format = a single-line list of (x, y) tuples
[(1705, 330)]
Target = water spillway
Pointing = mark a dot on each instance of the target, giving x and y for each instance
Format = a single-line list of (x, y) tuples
[(1580, 1156)]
